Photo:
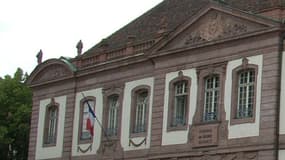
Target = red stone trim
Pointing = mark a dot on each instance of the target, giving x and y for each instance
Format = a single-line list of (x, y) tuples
[(107, 92), (244, 66), (81, 119), (171, 104), (203, 73), (134, 92), (51, 105)]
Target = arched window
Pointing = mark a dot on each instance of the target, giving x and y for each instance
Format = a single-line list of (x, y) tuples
[(86, 124), (211, 98), (51, 120), (244, 81), (246, 87), (210, 106), (139, 111), (180, 103), (113, 111)]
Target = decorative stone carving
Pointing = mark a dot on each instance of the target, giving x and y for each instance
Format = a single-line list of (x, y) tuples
[(180, 74), (132, 143), (216, 26), (212, 26), (89, 148), (40, 57), (205, 135), (244, 63), (52, 102), (79, 47), (52, 72)]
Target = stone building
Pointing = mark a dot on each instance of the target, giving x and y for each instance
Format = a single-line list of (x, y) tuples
[(187, 80)]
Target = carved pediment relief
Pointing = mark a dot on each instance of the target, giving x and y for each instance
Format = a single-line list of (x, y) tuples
[(52, 72), (211, 26), (217, 26)]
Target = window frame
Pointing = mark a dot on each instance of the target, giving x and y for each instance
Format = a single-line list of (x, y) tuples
[(235, 84), (55, 105), (134, 93), (213, 89), (107, 92), (117, 114), (203, 73), (82, 101), (171, 102)]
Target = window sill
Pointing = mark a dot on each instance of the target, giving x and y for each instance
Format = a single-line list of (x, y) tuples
[(177, 128), (208, 122), (88, 141), (49, 145), (135, 135), (242, 120), (111, 138)]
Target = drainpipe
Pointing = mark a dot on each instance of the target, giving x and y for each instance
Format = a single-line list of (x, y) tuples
[(281, 49)]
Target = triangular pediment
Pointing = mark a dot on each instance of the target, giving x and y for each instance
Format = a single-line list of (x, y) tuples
[(214, 24)]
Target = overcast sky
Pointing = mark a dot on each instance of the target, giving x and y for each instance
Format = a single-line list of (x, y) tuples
[(55, 26)]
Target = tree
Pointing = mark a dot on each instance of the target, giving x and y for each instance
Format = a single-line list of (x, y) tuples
[(15, 111)]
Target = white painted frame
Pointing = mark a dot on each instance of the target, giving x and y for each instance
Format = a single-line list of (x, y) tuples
[(126, 115), (245, 129), (97, 93), (179, 137), (52, 151)]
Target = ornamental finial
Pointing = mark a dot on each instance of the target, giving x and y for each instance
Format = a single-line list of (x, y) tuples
[(40, 56), (79, 47)]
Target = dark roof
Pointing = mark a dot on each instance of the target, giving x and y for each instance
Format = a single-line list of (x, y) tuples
[(170, 14), (254, 5)]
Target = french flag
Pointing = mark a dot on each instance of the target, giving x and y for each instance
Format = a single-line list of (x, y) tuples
[(90, 120)]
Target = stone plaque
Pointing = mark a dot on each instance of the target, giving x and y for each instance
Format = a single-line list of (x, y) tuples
[(205, 135)]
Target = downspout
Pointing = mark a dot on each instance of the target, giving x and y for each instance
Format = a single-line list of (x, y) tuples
[(281, 49)]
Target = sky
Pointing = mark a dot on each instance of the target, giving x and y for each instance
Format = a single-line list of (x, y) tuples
[(56, 26)]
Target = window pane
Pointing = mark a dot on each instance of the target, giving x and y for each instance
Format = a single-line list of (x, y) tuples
[(246, 94), (85, 134), (113, 115), (140, 115), (211, 98), (52, 121), (180, 102), (180, 110)]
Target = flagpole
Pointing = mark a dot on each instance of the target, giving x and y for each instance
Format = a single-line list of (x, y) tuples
[(100, 124)]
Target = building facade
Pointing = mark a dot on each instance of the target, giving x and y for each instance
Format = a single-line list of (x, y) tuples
[(188, 80)]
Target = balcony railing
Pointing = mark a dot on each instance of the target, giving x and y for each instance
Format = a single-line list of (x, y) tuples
[(119, 53)]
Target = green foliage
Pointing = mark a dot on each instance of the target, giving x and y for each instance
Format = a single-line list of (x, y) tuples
[(15, 111)]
